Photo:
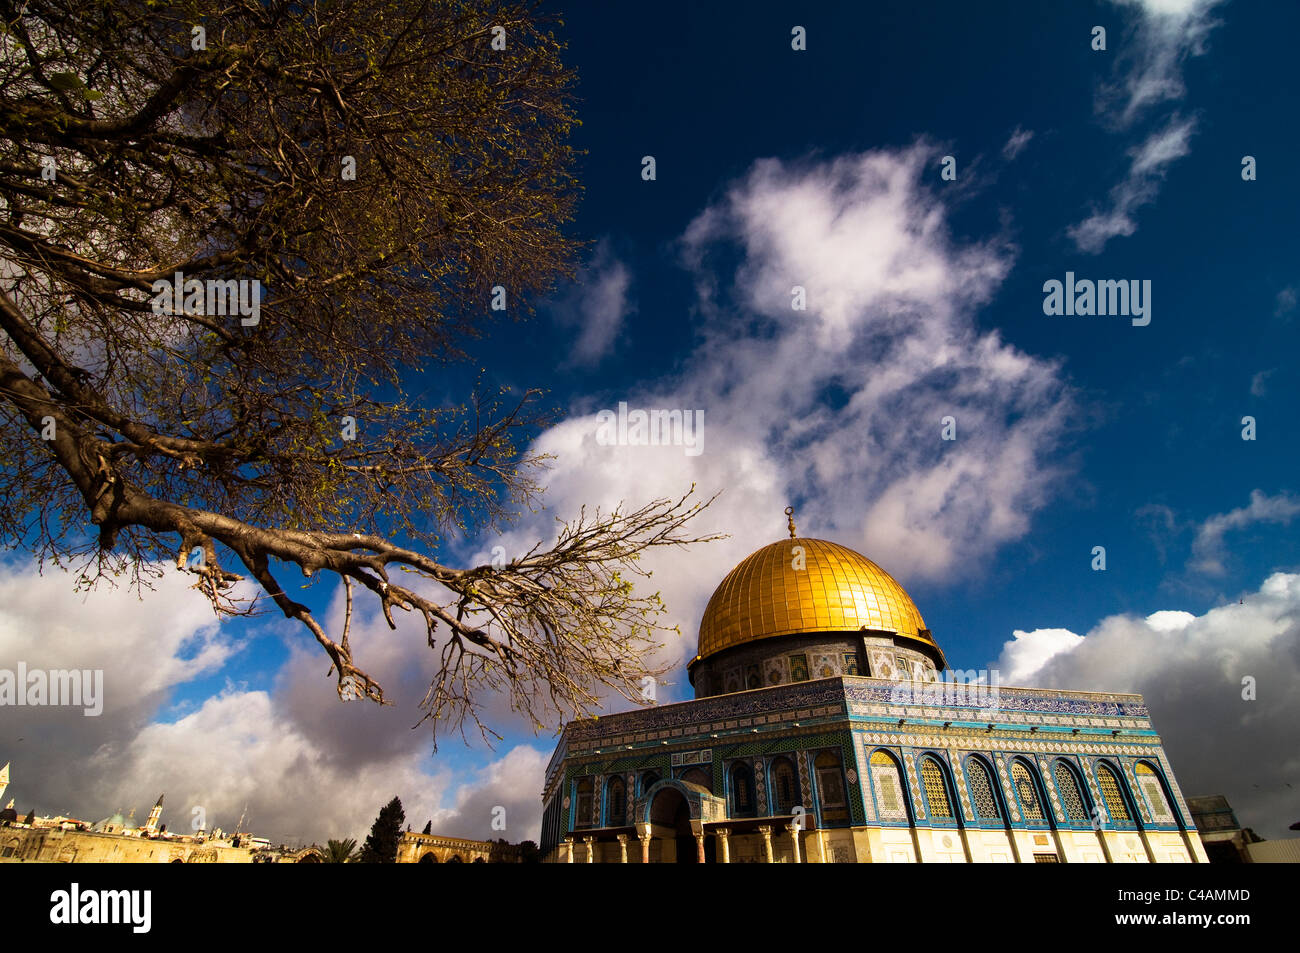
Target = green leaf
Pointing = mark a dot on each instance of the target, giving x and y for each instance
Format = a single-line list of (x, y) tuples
[(72, 83), (66, 81)]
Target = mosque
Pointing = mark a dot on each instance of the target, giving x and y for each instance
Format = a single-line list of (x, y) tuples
[(827, 728)]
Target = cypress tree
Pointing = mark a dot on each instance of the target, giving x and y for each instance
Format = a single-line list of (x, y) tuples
[(381, 842)]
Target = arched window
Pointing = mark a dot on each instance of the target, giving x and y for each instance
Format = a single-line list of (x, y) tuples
[(701, 777), (785, 786), (648, 780), (616, 803), (980, 781), (886, 782), (936, 791), (1067, 782), (1153, 790), (742, 790), (830, 780), (583, 818), (1022, 779), (1112, 794)]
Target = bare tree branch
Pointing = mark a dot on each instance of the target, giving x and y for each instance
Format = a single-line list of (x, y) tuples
[(376, 167)]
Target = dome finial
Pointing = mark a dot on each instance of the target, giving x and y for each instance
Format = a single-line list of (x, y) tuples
[(789, 512)]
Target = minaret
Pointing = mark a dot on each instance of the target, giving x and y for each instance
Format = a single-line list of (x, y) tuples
[(151, 825), (4, 778)]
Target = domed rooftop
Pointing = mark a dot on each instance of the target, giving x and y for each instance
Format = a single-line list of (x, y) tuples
[(834, 589)]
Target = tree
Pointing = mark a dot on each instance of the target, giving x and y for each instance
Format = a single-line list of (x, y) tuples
[(529, 853), (30, 819), (340, 851), (428, 828), (381, 844), (231, 233)]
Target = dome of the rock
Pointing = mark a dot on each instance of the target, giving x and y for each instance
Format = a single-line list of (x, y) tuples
[(807, 586)]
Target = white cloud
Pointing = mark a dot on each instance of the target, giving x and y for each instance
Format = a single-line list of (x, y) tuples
[(1165, 34), (1207, 548), (1259, 382), (837, 409), (1138, 188), (1019, 139), (503, 800), (1170, 620), (305, 766), (1190, 670), (1286, 302), (598, 305), (1030, 651)]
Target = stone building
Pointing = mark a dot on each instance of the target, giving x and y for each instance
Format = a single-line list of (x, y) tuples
[(116, 839), (827, 728), (436, 849), (54, 845)]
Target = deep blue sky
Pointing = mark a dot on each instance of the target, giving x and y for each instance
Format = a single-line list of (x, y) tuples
[(708, 88)]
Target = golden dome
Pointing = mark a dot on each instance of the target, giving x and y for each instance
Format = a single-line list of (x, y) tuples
[(834, 590)]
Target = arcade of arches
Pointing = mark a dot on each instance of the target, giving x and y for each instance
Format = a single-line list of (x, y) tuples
[(435, 849)]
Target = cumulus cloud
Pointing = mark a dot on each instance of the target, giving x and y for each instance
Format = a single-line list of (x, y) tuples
[(145, 646), (598, 306), (1030, 651), (847, 399), (504, 799), (304, 766), (1207, 547), (1194, 672), (838, 408)]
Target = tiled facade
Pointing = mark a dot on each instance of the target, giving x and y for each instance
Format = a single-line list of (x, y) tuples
[(1027, 748)]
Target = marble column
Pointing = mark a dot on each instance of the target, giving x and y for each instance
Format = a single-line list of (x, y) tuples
[(622, 848), (645, 848), (591, 849), (766, 831), (723, 835), (568, 850), (794, 841), (699, 848)]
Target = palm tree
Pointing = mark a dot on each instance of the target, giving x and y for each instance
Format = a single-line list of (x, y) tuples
[(340, 851)]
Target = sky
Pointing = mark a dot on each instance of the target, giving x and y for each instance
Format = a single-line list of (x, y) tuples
[(823, 168)]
